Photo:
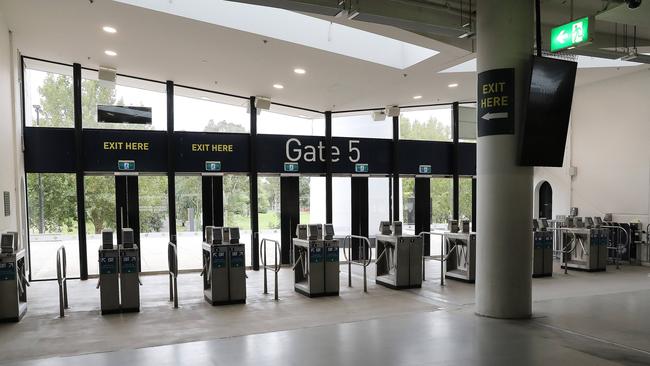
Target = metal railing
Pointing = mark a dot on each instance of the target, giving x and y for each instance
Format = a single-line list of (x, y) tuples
[(442, 258), (172, 262), (618, 245), (275, 267), (364, 262), (565, 251), (61, 277)]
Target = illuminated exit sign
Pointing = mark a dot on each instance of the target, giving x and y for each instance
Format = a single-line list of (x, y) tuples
[(570, 35), (126, 165)]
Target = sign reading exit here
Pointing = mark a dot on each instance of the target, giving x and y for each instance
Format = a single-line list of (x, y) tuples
[(496, 102), (570, 35), (361, 168), (212, 166), (126, 165)]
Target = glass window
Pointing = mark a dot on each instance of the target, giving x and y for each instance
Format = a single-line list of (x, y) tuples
[(341, 210), (289, 121), (407, 204), (441, 208), (467, 122), (125, 92), (361, 125), (268, 205), (236, 209), (99, 198), (312, 200), (189, 221), (52, 218), (209, 112), (154, 222), (379, 192), (431, 124), (49, 100), (465, 198)]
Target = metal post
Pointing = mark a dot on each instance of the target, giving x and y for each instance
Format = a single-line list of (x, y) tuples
[(442, 261), (264, 266), (175, 292), (349, 262), (275, 270)]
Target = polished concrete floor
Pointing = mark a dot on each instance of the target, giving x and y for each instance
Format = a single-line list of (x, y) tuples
[(580, 318)]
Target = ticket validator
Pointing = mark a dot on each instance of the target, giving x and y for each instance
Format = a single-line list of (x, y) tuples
[(13, 280), (224, 266), (399, 258), (316, 260), (119, 274)]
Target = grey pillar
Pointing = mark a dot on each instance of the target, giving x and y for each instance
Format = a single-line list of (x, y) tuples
[(504, 240)]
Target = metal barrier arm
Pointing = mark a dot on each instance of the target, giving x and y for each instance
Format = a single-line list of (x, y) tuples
[(564, 250), (365, 262), (276, 266)]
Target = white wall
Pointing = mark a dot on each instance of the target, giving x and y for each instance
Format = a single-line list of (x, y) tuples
[(610, 146), (8, 175)]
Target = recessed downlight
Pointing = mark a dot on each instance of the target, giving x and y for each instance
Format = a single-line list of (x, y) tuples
[(417, 97), (109, 29), (110, 53), (453, 85), (278, 86), (300, 71)]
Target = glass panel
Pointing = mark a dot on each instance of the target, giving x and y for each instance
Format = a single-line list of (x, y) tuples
[(202, 111), (465, 198), (341, 210), (378, 203), (236, 209), (312, 200), (49, 98), (125, 92), (289, 121), (407, 204), (361, 125), (268, 205), (441, 208), (154, 222), (467, 122), (52, 223), (431, 124), (189, 221), (99, 196)]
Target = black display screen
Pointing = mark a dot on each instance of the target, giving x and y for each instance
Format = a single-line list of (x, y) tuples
[(544, 131), (123, 114)]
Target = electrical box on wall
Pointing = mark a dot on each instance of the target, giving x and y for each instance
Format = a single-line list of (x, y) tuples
[(7, 204), (573, 171)]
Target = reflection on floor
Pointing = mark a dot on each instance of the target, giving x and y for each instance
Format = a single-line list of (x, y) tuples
[(580, 318)]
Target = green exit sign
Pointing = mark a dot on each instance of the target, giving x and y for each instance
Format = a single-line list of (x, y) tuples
[(212, 166), (424, 169), (361, 168), (126, 165), (570, 35), (291, 167)]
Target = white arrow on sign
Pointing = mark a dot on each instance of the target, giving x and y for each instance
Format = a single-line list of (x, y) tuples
[(562, 37), (500, 115)]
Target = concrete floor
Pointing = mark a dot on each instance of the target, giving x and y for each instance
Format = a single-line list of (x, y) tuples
[(580, 318)]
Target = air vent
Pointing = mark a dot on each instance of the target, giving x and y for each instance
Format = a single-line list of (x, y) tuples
[(6, 199)]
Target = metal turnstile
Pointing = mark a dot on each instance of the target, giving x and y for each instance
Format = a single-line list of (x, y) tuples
[(587, 248), (542, 254), (13, 282), (460, 249), (119, 274), (316, 261), (109, 279), (224, 267), (129, 278), (399, 258)]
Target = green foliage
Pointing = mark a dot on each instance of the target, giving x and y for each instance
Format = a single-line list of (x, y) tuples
[(59, 202)]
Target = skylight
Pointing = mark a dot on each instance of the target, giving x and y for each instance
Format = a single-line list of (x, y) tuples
[(295, 28), (584, 62)]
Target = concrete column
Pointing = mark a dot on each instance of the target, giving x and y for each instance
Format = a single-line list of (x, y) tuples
[(505, 31)]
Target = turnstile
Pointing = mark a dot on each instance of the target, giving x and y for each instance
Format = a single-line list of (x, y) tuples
[(460, 249), (119, 274), (13, 282), (316, 261), (224, 267), (588, 249), (399, 258), (542, 250)]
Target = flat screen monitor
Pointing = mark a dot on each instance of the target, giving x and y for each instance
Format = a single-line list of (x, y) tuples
[(544, 130)]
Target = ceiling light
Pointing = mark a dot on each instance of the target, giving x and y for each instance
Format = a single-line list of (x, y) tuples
[(302, 116), (417, 97), (453, 85), (109, 29), (278, 86), (468, 34), (300, 71), (205, 98), (110, 53)]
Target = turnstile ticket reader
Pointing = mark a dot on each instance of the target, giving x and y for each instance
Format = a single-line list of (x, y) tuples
[(13, 280), (224, 267), (129, 272), (460, 249), (542, 249), (399, 261), (119, 274), (586, 248), (316, 261)]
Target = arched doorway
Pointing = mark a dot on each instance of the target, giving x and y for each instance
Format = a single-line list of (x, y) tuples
[(545, 201)]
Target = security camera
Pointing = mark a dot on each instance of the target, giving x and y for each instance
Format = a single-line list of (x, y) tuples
[(633, 4)]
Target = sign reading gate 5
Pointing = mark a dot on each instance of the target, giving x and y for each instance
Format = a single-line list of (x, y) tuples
[(496, 102)]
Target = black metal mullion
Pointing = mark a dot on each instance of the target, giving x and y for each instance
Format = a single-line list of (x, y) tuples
[(328, 168), (171, 166), (455, 159), (255, 244), (395, 169), (81, 203)]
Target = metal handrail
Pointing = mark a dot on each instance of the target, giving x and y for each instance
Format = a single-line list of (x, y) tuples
[(365, 262), (172, 262), (276, 266), (442, 251), (564, 250), (618, 245), (61, 277)]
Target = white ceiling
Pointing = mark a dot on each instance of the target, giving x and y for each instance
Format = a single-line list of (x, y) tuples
[(166, 47)]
